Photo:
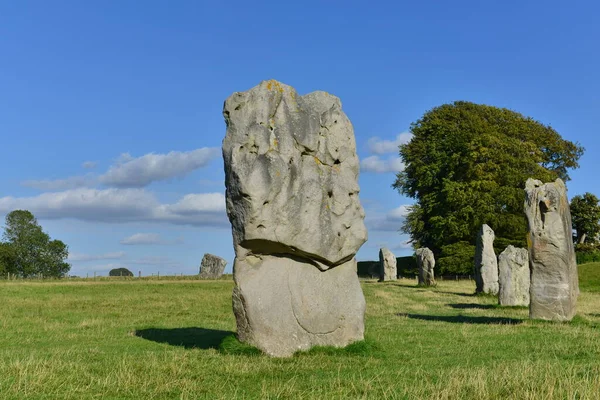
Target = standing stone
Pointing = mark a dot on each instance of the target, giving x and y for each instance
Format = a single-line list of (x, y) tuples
[(486, 264), (212, 267), (387, 266), (513, 277), (554, 282), (291, 177), (426, 263)]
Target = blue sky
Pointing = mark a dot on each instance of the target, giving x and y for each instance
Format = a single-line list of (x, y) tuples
[(110, 112)]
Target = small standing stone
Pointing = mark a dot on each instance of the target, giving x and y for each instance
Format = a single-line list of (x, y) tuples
[(387, 265), (426, 263), (212, 267), (513, 277), (486, 264), (554, 281)]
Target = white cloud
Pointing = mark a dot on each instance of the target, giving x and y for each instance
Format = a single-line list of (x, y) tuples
[(50, 185), (147, 238), (142, 238), (380, 165), (386, 222), (402, 245), (156, 260), (130, 172), (89, 164), (122, 205), (399, 213), (77, 257), (379, 146)]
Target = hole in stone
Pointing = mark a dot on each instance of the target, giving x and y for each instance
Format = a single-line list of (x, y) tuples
[(265, 203), (238, 107), (261, 226), (339, 234), (335, 122), (337, 162), (330, 194)]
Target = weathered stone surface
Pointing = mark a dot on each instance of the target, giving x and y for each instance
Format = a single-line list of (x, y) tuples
[(291, 173), (486, 264), (513, 277), (554, 281), (212, 267), (387, 265), (426, 263)]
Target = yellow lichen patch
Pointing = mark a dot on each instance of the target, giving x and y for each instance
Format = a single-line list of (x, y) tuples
[(317, 161), (274, 85)]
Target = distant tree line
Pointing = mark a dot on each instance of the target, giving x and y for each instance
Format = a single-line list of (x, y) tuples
[(27, 251)]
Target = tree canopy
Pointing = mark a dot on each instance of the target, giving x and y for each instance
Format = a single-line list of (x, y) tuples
[(120, 272), (585, 215), (27, 250), (466, 165)]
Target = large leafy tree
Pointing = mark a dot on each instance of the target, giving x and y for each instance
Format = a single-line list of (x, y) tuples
[(585, 214), (27, 250), (466, 165)]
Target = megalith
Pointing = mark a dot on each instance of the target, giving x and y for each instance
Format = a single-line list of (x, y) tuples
[(387, 265), (212, 267), (291, 177), (426, 263), (486, 264), (513, 277), (554, 281)]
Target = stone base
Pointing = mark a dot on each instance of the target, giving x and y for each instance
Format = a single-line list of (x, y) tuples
[(283, 305), (553, 302)]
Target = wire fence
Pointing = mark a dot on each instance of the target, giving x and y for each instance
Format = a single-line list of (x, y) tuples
[(97, 277)]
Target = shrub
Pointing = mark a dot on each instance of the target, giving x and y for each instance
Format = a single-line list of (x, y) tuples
[(120, 272)]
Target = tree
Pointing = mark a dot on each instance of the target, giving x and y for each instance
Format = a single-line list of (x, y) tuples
[(27, 250), (585, 215), (120, 272), (466, 165)]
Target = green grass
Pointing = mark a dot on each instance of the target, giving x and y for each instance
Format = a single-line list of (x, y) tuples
[(589, 277), (173, 339)]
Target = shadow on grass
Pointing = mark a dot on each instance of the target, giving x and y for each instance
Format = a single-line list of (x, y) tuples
[(360, 348), (463, 319), (471, 306), (190, 338)]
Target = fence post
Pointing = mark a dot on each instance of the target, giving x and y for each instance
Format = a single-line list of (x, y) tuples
[(139, 274)]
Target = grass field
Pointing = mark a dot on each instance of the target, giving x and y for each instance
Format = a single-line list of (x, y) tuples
[(162, 340)]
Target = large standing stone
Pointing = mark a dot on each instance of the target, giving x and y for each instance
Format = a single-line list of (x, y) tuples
[(513, 277), (387, 265), (291, 173), (426, 263), (554, 281), (486, 264), (212, 267)]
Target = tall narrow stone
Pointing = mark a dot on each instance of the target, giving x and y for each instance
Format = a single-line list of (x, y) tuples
[(291, 177), (387, 265), (554, 281), (513, 277), (486, 264), (426, 264)]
